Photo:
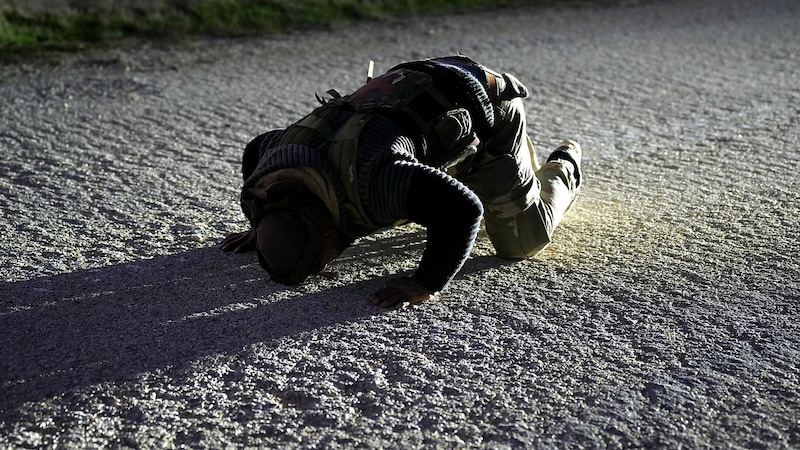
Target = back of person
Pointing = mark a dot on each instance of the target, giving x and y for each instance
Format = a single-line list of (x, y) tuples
[(436, 142)]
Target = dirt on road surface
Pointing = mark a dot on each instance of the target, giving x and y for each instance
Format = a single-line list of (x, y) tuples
[(664, 314)]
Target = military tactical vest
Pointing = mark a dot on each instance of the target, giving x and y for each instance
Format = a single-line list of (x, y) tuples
[(407, 95)]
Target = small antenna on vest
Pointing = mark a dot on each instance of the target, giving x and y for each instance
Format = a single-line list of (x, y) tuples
[(370, 70)]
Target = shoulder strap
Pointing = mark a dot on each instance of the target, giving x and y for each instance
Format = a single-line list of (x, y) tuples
[(342, 154)]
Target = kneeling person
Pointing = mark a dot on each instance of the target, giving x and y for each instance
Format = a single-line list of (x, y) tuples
[(440, 142)]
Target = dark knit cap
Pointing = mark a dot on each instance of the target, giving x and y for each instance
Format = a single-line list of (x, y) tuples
[(290, 224)]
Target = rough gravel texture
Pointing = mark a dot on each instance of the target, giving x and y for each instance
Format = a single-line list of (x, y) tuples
[(664, 314)]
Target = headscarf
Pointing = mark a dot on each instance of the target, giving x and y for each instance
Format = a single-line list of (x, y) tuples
[(290, 223)]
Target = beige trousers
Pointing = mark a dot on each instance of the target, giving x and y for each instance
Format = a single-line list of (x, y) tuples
[(523, 202)]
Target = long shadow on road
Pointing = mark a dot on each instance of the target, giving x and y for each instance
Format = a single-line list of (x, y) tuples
[(69, 331)]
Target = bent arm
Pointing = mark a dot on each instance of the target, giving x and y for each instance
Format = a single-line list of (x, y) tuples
[(452, 215), (246, 240), (254, 150)]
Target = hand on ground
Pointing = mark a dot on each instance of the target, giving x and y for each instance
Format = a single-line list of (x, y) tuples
[(399, 291), (239, 242)]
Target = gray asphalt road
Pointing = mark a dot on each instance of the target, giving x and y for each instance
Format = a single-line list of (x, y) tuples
[(665, 314)]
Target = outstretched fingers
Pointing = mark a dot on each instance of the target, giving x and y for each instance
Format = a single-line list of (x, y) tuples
[(239, 242)]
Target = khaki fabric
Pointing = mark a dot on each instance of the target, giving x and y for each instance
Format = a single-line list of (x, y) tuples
[(523, 202)]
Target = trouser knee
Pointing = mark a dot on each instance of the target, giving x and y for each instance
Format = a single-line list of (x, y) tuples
[(520, 236)]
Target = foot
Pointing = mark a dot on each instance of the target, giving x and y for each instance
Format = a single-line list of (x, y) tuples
[(570, 151)]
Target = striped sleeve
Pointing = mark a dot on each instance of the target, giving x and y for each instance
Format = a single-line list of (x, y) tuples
[(452, 215)]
